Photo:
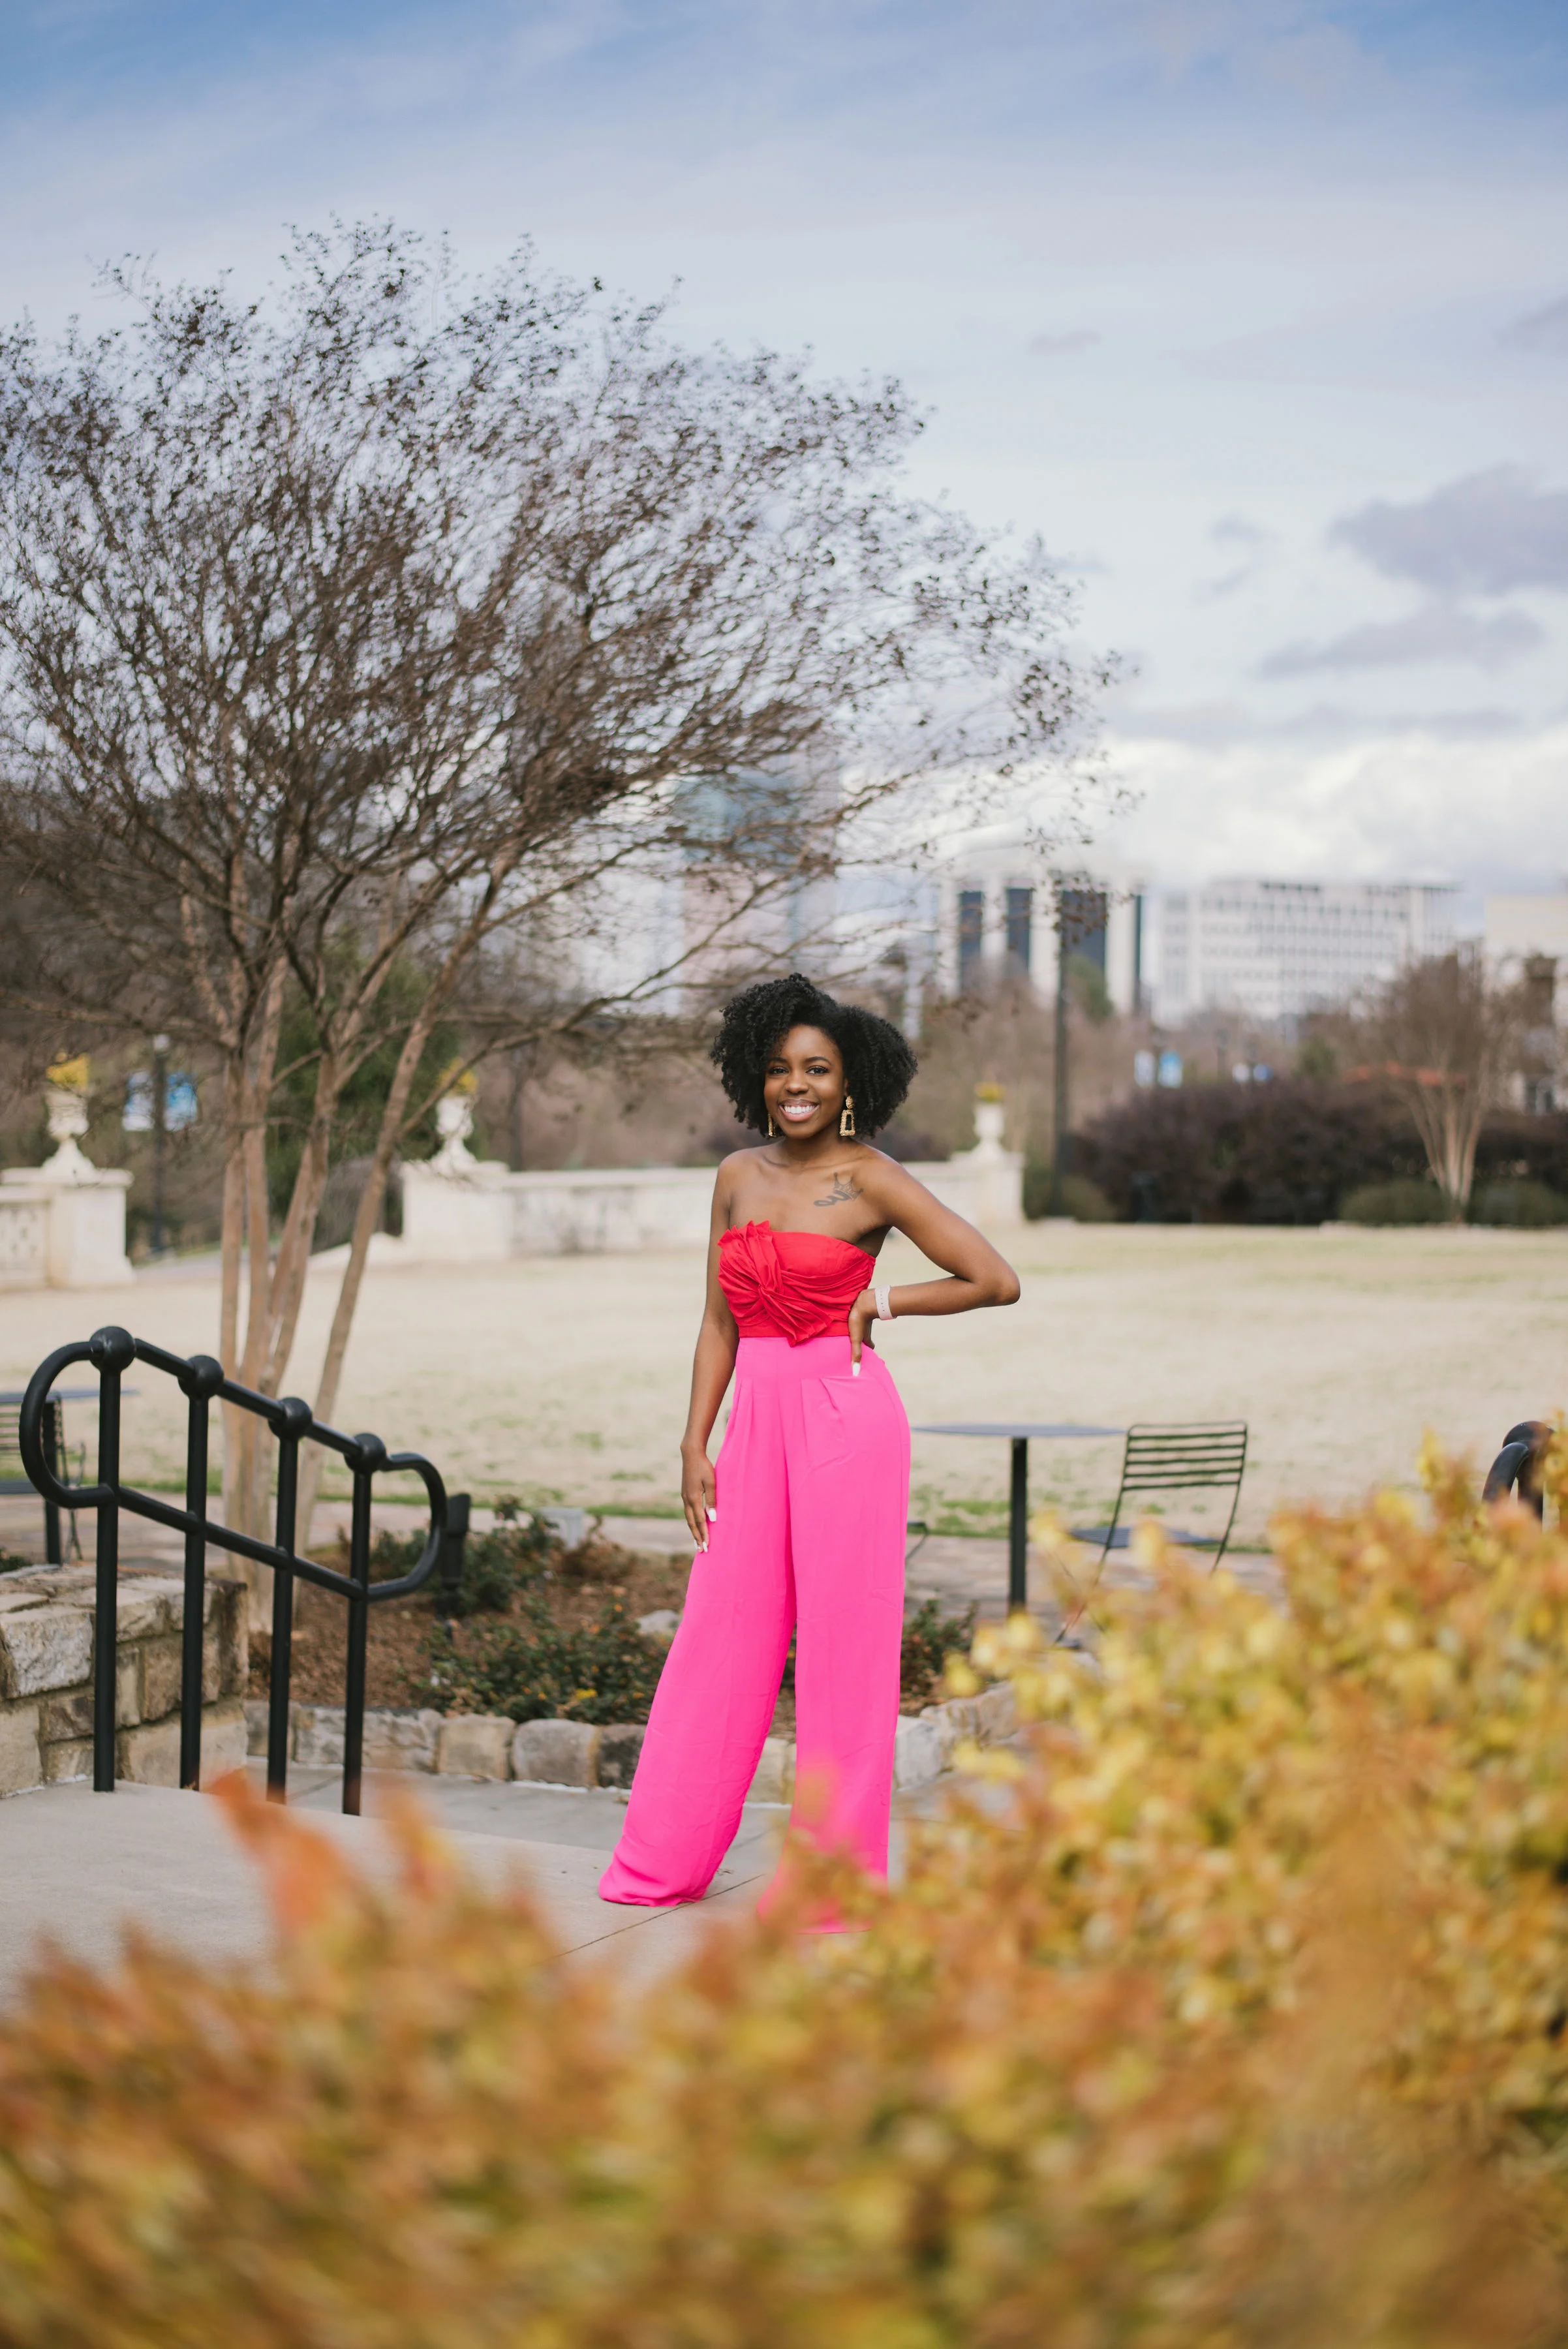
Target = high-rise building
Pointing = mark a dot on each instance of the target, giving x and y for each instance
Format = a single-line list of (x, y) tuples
[(1274, 949), (998, 906)]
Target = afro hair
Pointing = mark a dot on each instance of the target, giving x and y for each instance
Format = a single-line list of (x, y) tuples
[(878, 1065)]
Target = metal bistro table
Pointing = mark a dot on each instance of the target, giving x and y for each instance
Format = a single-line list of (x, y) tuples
[(1019, 1433)]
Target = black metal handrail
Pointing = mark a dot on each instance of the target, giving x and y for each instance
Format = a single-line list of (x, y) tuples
[(201, 1379)]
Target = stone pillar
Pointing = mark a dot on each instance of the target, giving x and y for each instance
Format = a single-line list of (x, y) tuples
[(84, 1204), (456, 1207)]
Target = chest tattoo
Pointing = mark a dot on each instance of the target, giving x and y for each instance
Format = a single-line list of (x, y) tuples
[(844, 1187)]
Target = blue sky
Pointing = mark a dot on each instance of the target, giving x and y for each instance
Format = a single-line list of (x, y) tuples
[(1257, 309)]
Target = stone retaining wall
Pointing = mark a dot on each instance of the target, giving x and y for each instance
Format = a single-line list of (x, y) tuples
[(47, 1636), (574, 1754)]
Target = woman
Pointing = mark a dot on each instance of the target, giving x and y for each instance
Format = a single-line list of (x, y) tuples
[(800, 1528)]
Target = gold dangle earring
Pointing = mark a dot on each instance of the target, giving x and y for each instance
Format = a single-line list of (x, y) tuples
[(847, 1118), (770, 1116)]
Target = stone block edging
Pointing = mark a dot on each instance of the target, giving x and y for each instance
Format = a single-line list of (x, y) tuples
[(577, 1753), (47, 1634)]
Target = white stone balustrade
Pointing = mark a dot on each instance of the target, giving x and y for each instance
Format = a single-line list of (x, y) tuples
[(460, 1209)]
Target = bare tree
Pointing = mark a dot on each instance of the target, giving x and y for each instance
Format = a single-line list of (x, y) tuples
[(357, 627), (1444, 1034)]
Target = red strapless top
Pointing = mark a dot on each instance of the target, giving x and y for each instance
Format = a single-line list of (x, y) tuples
[(794, 1285)]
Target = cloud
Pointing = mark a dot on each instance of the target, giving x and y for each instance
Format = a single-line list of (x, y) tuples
[(1238, 536), (1235, 530), (1542, 330), (1480, 536), (1056, 346), (1438, 633), (1395, 807), (1227, 725)]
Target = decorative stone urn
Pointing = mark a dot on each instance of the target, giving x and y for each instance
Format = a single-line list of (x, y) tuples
[(989, 1125), (991, 1174), (455, 1123), (68, 1116)]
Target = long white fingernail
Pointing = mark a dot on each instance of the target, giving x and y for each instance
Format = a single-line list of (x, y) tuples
[(855, 1370), (713, 1516)]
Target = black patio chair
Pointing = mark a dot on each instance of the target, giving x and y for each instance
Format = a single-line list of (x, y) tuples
[(1208, 1456), (15, 1485), (1518, 1465)]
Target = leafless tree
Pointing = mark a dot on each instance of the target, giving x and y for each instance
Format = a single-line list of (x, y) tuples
[(364, 624), (1444, 1035)]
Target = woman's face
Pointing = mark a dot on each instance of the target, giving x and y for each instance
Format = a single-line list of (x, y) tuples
[(803, 1084)]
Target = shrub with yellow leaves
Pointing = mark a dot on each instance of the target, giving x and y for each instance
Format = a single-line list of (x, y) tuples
[(1227, 2011)]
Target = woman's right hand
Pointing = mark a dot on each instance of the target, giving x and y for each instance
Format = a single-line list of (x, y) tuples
[(699, 1491)]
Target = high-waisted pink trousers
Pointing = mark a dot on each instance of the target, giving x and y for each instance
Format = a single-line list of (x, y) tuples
[(812, 1497)]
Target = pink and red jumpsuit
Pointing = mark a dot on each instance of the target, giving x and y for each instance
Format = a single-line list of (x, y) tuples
[(812, 1496)]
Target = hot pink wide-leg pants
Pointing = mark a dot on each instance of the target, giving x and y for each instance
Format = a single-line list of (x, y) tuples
[(812, 1496)]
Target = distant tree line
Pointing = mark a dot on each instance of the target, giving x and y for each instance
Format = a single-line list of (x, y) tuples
[(1291, 1152)]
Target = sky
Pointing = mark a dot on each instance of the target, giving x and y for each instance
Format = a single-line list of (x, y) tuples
[(1255, 310)]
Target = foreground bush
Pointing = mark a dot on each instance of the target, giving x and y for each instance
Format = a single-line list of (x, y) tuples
[(1230, 2014)]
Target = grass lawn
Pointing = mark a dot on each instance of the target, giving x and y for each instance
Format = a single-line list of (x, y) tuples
[(564, 1378)]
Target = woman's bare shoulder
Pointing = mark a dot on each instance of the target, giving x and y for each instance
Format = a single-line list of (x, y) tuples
[(735, 1174), (738, 1167), (880, 1176)]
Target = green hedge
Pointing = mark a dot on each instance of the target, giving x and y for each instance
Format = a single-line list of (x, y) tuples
[(1403, 1202)]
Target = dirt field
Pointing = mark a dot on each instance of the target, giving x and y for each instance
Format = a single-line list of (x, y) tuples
[(564, 1378)]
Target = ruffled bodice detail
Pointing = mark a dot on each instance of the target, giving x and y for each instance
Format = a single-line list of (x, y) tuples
[(794, 1285)]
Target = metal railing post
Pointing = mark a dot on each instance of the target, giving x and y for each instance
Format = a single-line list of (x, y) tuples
[(54, 1449), (113, 1351), (1018, 1529), (201, 1381), (451, 1549), (368, 1454), (294, 1418)]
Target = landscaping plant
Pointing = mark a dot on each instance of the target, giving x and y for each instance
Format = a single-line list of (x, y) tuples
[(1228, 2014), (529, 1667)]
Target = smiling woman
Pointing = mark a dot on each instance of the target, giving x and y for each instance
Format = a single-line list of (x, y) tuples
[(800, 1528)]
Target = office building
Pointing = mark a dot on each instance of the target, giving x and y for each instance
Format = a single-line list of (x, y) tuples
[(1272, 950), (997, 918)]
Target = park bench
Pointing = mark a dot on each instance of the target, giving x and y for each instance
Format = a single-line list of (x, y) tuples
[(14, 1478)]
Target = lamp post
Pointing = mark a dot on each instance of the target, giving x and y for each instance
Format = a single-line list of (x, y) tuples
[(1081, 909), (159, 1137), (1056, 1203)]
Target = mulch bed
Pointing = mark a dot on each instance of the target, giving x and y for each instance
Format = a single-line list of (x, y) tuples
[(585, 1582)]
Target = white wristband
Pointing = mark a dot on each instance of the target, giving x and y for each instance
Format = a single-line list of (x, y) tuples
[(884, 1304)]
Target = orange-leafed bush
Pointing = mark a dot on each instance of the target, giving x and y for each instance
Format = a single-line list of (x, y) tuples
[(1229, 2017)]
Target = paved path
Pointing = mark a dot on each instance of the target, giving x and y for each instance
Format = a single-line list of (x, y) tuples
[(958, 1570), (77, 1865)]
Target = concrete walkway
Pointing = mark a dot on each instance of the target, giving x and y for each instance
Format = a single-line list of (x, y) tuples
[(961, 1570), (76, 1867)]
